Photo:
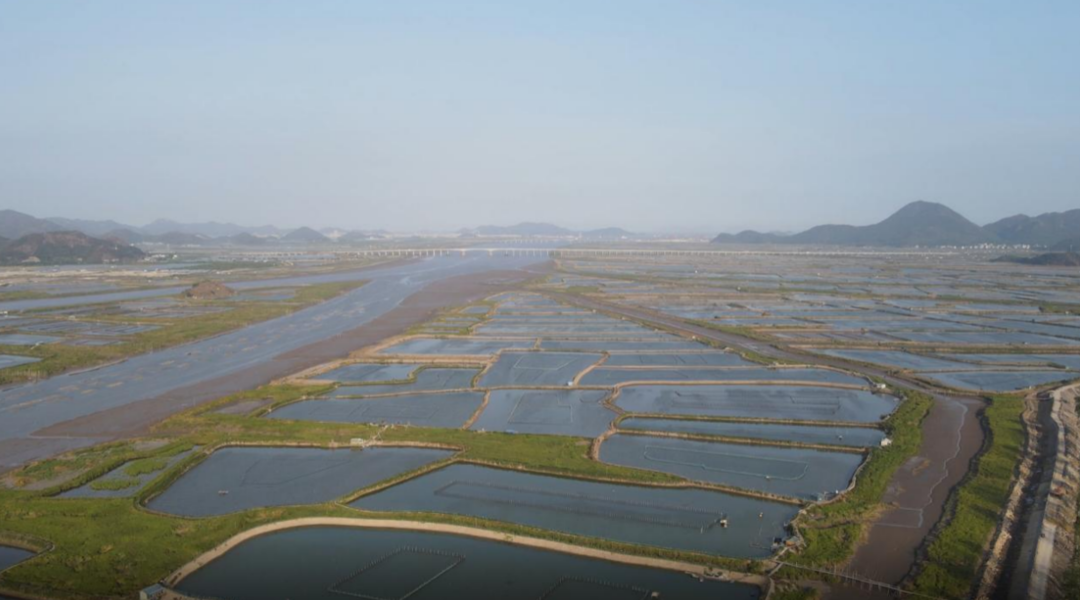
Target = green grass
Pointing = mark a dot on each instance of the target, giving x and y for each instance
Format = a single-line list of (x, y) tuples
[(739, 330), (107, 548), (793, 592), (113, 484), (111, 547), (954, 557), (831, 531), (145, 466), (582, 289)]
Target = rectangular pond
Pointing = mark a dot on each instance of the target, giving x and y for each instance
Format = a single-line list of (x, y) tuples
[(1071, 361), (999, 381), (615, 346), (613, 376), (795, 472), (686, 359), (365, 372), (435, 378), (858, 437), (23, 339), (557, 412), (448, 410), (895, 359), (330, 563), (682, 519), (235, 479), (454, 346), (537, 368), (801, 403), (988, 338)]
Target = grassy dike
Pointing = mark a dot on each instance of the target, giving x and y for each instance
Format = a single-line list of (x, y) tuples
[(831, 531), (58, 358), (955, 555)]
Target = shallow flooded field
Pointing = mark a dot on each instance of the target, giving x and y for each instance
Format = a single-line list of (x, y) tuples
[(365, 372), (668, 344), (896, 359), (235, 479), (795, 472), (794, 402), (557, 412), (686, 359), (328, 563), (1071, 361), (429, 379), (683, 519), (807, 434), (453, 346), (614, 376), (450, 409), (537, 368), (1000, 381)]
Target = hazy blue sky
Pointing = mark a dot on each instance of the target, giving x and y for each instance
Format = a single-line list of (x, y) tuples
[(699, 115)]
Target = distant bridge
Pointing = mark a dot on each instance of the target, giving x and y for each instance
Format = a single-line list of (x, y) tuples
[(622, 252)]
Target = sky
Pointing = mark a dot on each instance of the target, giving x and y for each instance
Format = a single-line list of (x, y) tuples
[(703, 115)]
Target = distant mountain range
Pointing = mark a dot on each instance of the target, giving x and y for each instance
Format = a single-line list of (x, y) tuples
[(66, 247), (926, 224), (14, 224)]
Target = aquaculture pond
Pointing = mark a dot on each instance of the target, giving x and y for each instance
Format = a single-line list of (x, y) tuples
[(235, 479), (453, 346), (365, 372), (537, 368), (802, 403), (687, 359), (619, 345), (427, 380), (683, 519), (558, 412), (796, 472), (1071, 361), (450, 409), (988, 338), (895, 358), (330, 563), (11, 556), (806, 434), (613, 376), (21, 339), (1000, 381)]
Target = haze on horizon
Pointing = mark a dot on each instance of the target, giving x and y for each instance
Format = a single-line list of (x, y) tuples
[(678, 116)]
